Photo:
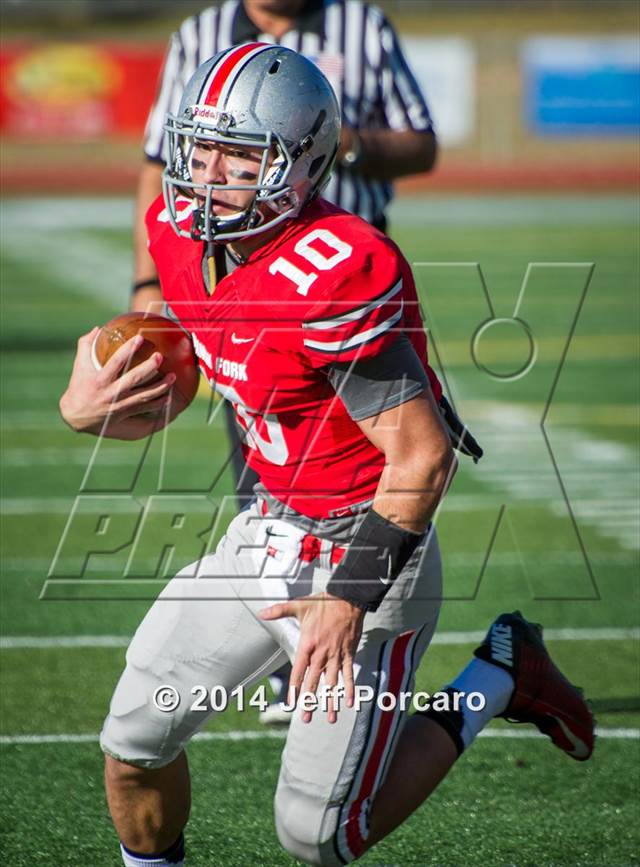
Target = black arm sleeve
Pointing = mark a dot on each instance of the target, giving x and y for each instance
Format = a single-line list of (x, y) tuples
[(369, 387)]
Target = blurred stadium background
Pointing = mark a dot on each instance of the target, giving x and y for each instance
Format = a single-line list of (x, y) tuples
[(508, 116), (538, 109)]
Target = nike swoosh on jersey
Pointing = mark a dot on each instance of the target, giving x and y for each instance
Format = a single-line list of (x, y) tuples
[(235, 339)]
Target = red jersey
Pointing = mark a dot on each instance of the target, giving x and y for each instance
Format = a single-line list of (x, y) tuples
[(330, 288)]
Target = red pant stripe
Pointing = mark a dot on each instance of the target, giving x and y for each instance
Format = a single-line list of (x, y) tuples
[(397, 667)]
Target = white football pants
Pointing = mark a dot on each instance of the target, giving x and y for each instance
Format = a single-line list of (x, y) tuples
[(203, 630)]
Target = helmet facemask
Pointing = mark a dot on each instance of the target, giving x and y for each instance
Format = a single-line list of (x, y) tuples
[(273, 195), (258, 96)]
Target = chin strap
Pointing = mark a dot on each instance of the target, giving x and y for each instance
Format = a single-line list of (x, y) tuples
[(211, 268), (198, 222)]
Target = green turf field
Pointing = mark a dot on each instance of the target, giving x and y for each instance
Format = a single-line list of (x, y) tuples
[(548, 522)]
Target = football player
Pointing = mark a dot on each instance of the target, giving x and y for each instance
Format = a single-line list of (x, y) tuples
[(386, 132), (315, 337)]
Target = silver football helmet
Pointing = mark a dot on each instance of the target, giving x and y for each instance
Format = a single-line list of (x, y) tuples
[(257, 95)]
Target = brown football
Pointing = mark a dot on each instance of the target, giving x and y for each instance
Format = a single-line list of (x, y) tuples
[(162, 335)]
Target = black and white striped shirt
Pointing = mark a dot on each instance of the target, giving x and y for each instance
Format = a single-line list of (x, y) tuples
[(351, 42)]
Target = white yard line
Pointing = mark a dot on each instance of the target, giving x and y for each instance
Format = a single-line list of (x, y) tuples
[(36, 642), (68, 249), (53, 457), (562, 634), (416, 211), (33, 642), (28, 419), (600, 477), (605, 733), (117, 212), (280, 735), (87, 266), (44, 214)]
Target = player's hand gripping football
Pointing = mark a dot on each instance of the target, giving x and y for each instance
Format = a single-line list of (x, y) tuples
[(129, 404), (330, 629)]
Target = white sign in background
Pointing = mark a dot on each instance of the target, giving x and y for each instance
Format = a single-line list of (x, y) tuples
[(445, 69)]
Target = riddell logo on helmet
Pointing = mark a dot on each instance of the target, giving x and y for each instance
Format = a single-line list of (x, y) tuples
[(208, 111)]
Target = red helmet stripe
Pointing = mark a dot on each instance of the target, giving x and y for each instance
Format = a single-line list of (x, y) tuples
[(227, 67), (206, 85)]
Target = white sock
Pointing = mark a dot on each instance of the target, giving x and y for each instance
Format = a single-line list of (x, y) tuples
[(135, 861), (172, 857), (494, 684)]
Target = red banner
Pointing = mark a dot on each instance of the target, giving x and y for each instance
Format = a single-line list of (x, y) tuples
[(77, 91)]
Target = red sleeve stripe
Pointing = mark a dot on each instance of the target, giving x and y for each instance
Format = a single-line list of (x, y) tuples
[(353, 315), (358, 339)]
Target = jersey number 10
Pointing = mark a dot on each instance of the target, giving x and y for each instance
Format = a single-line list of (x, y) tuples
[(304, 249)]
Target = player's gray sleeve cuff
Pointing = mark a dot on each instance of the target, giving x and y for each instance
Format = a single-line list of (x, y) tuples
[(370, 387)]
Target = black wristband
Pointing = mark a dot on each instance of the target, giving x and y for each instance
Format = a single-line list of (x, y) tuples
[(142, 284), (376, 555)]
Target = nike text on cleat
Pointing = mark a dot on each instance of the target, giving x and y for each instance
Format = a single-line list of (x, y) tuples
[(542, 695)]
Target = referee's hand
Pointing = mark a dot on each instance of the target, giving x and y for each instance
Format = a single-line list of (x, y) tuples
[(330, 629)]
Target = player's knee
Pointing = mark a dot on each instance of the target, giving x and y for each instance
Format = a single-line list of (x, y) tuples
[(297, 831), (135, 732), (133, 745), (304, 827)]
